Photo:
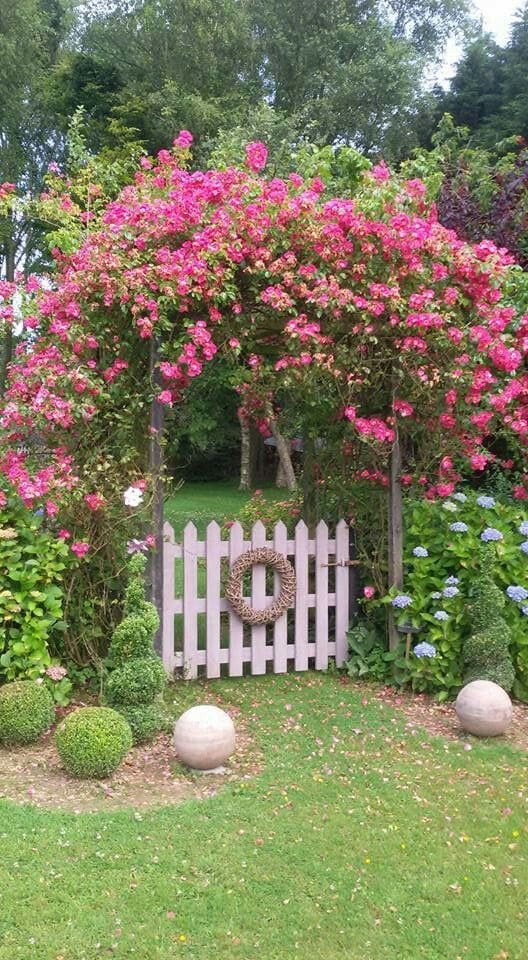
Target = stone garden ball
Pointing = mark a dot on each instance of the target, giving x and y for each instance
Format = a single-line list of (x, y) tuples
[(484, 708), (204, 737)]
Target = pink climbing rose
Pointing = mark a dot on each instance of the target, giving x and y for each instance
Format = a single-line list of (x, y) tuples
[(256, 156)]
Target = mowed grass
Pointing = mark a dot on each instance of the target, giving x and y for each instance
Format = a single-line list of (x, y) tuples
[(203, 502), (360, 839)]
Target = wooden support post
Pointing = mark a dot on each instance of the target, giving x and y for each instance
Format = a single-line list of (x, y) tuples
[(395, 569), (156, 471)]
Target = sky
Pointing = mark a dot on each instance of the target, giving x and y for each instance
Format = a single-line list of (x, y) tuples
[(497, 16)]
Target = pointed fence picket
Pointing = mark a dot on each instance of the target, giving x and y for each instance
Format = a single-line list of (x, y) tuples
[(212, 639)]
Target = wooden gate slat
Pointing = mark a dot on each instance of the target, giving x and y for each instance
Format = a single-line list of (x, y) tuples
[(190, 598), (321, 596), (258, 631), (236, 626), (212, 616), (280, 627), (301, 598)]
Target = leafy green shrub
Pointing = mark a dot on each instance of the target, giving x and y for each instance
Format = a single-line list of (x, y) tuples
[(140, 680), (485, 654), (146, 720), (32, 565), (92, 741), (136, 675), (443, 541), (270, 512), (26, 711), (368, 658)]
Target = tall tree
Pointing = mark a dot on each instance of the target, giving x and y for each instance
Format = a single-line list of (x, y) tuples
[(30, 32), (347, 70)]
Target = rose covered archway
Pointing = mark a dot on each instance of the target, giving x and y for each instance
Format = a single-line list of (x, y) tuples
[(369, 304)]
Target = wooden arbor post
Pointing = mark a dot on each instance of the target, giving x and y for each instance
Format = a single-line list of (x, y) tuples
[(157, 422), (395, 528)]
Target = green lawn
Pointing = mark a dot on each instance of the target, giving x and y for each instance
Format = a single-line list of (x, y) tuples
[(357, 841), (203, 502)]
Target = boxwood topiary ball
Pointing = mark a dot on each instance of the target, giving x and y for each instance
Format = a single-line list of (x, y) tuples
[(92, 741), (26, 711), (138, 681), (145, 719)]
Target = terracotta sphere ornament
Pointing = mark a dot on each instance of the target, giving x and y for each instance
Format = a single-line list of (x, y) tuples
[(484, 708), (204, 737)]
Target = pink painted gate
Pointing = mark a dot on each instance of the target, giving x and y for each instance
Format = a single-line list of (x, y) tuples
[(201, 633)]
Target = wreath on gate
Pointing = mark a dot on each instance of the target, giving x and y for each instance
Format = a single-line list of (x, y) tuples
[(234, 586)]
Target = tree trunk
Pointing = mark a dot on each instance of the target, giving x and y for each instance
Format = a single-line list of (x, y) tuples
[(245, 454), (157, 417), (285, 473), (395, 526), (7, 339)]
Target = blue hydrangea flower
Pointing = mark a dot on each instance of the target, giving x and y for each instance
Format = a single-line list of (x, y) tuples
[(39, 512), (486, 502), (490, 533), (461, 497), (436, 595), (524, 546), (420, 552), (517, 593), (452, 581), (402, 601), (450, 592), (523, 528), (450, 506), (459, 527), (525, 611), (441, 615), (424, 650)]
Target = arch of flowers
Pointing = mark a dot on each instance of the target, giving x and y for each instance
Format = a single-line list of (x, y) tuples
[(369, 303)]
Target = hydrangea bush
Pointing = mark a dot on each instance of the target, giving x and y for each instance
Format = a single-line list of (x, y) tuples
[(446, 543)]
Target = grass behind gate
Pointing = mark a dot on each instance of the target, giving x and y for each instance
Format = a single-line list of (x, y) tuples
[(358, 840)]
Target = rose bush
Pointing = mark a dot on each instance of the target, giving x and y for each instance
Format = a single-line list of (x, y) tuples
[(367, 306)]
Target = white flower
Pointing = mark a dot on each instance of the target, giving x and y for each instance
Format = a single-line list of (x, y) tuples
[(450, 506), (133, 497)]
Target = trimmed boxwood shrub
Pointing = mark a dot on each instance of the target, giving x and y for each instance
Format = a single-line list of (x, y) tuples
[(92, 741), (136, 676), (138, 681), (146, 720), (486, 652), (26, 711)]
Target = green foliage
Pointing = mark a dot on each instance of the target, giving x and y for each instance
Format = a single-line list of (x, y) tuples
[(26, 711), (488, 93), (368, 659), (139, 681), (32, 566), (136, 674), (92, 741), (485, 654), (145, 719), (470, 626), (270, 512)]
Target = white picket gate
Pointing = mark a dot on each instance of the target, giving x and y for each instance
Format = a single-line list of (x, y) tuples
[(209, 633)]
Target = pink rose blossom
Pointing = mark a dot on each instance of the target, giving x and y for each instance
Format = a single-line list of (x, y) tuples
[(80, 549), (256, 156)]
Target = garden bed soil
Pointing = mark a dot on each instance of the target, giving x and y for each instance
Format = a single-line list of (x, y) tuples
[(150, 776), (441, 720)]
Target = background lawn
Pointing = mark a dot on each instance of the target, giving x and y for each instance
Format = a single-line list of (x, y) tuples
[(203, 502), (360, 839)]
